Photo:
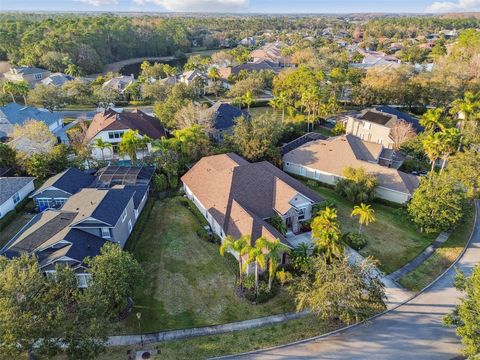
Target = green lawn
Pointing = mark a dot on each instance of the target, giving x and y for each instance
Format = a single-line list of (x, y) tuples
[(443, 256), (392, 239), (232, 343), (261, 110), (9, 226), (187, 283)]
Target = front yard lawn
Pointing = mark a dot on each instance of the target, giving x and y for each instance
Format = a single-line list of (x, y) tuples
[(443, 257), (187, 282), (392, 239)]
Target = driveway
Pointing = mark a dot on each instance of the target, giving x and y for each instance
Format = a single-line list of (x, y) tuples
[(412, 331)]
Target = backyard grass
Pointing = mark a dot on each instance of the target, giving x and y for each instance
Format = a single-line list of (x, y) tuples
[(392, 239), (443, 257), (232, 343), (187, 283)]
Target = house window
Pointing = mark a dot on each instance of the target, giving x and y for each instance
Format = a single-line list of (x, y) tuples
[(43, 203), (105, 232), (366, 125), (38, 76), (60, 202), (136, 213), (130, 226), (124, 215), (16, 198), (301, 214), (115, 134), (83, 280)]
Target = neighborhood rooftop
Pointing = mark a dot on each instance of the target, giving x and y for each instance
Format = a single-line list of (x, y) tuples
[(10, 185)]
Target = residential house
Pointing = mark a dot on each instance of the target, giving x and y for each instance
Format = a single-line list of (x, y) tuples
[(325, 161), (17, 114), (271, 52), (59, 188), (109, 125), (88, 220), (12, 191), (248, 41), (193, 77), (57, 79), (238, 197), (376, 59), (30, 75), (223, 117), (375, 124), (120, 83)]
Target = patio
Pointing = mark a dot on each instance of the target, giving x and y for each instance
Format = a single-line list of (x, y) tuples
[(296, 240)]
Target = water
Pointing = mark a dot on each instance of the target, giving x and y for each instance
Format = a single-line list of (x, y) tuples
[(135, 68)]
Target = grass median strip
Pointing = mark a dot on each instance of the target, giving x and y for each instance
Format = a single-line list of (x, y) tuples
[(443, 257)]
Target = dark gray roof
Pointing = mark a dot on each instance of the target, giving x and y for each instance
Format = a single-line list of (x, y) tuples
[(225, 115), (27, 70), (17, 114), (140, 191), (401, 115), (112, 206), (70, 181), (83, 245), (10, 185), (376, 118)]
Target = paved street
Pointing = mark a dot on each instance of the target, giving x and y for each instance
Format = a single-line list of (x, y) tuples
[(412, 331)]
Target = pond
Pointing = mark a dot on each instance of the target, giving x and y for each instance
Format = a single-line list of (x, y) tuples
[(134, 69)]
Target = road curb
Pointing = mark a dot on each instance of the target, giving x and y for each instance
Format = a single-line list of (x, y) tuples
[(338, 331)]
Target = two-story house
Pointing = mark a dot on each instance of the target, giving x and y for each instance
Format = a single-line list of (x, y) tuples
[(110, 125), (88, 219), (375, 125), (12, 191), (31, 75)]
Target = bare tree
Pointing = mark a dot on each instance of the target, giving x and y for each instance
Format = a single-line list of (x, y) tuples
[(193, 114), (401, 132)]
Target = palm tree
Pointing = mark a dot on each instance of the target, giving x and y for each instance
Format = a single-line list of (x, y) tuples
[(129, 145), (143, 143), (275, 250), (241, 247), (248, 99), (214, 74), (73, 70), (432, 120), (326, 233), (9, 87), (280, 102), (102, 145), (22, 89), (432, 145), (451, 140), (256, 255), (468, 108), (365, 213)]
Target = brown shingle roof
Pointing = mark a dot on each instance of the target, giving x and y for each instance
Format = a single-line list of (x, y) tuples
[(240, 195), (335, 154), (109, 119)]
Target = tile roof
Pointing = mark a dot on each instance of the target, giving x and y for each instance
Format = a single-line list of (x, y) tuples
[(109, 119), (10, 185), (70, 181), (240, 195), (335, 154)]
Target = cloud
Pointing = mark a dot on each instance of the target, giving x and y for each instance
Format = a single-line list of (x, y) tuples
[(460, 5), (198, 5), (99, 2)]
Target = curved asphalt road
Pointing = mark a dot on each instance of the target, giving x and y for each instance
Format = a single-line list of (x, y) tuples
[(412, 331)]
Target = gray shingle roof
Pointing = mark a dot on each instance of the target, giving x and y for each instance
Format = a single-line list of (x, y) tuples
[(17, 114), (10, 185), (70, 181)]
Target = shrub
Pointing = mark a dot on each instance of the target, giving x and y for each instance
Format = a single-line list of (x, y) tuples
[(284, 277), (277, 222), (358, 186), (160, 183), (355, 240), (338, 129)]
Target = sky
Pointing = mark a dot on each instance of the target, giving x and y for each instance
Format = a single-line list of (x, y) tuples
[(245, 6)]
